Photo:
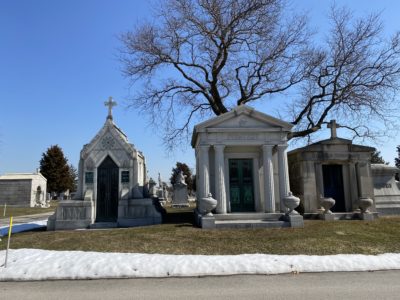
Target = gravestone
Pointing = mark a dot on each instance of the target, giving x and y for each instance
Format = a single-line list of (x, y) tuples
[(180, 197)]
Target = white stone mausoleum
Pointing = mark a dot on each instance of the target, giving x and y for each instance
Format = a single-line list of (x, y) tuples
[(241, 160), (111, 185)]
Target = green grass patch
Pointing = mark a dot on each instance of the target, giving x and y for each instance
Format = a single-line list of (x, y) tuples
[(23, 211), (179, 236)]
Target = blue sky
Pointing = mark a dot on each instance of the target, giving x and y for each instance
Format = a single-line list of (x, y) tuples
[(58, 64)]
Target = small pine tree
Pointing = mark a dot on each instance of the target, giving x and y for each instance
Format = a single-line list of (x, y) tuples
[(74, 176), (376, 158), (186, 171), (397, 159), (54, 166)]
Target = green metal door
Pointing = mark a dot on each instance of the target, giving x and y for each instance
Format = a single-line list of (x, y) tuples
[(241, 185)]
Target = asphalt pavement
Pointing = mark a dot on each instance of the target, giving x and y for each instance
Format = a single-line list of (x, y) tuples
[(332, 285)]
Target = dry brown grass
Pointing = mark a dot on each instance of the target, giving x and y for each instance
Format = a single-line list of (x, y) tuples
[(22, 211), (179, 236)]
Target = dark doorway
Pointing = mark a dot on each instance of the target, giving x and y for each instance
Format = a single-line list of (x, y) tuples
[(333, 186), (107, 191), (241, 185)]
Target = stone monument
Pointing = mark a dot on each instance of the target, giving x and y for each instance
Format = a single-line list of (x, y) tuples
[(23, 189), (180, 197), (386, 189), (333, 169), (111, 180), (241, 160)]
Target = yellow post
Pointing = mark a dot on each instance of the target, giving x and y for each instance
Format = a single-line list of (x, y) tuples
[(8, 242)]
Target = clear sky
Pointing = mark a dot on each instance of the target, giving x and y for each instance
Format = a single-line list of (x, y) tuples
[(58, 64)]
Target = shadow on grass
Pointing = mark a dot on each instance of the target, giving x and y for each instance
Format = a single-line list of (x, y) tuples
[(181, 219)]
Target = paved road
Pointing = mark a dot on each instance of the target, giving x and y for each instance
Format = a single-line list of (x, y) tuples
[(346, 285)]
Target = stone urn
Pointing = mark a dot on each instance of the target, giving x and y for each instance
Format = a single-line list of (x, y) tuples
[(207, 205), (364, 203), (327, 204), (291, 202)]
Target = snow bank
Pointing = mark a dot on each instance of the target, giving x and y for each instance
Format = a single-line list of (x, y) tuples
[(33, 264)]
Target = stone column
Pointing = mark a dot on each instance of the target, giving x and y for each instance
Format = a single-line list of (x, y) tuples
[(220, 193), (354, 185), (203, 188), (269, 195), (283, 169)]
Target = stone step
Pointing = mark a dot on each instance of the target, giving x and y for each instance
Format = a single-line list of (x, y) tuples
[(249, 216), (250, 224), (102, 225)]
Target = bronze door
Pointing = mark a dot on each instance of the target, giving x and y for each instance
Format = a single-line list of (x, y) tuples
[(107, 191)]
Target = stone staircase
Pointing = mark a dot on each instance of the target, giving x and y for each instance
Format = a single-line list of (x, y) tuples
[(250, 220)]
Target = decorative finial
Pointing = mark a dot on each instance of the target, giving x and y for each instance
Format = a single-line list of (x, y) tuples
[(110, 103), (333, 126)]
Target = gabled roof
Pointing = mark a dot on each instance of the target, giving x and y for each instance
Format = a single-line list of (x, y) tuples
[(110, 128), (246, 112)]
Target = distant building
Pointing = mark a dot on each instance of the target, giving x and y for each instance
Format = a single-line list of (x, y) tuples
[(23, 189)]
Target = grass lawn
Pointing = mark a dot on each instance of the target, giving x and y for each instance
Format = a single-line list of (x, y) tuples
[(21, 211), (179, 236)]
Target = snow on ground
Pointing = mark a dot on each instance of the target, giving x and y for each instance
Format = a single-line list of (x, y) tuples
[(33, 264)]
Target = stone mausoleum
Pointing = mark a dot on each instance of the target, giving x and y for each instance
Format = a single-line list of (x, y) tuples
[(23, 189), (332, 168), (112, 185), (241, 160)]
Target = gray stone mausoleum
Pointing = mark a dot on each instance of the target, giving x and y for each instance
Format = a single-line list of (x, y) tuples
[(23, 189), (334, 168), (112, 185)]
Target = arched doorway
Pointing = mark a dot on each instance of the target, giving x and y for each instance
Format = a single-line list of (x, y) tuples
[(107, 191)]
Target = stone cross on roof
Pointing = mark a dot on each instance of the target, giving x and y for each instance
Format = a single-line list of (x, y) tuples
[(333, 126), (110, 103)]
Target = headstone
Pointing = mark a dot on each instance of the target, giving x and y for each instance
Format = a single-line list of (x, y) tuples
[(180, 197)]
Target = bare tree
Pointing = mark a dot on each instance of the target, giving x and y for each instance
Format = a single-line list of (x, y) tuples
[(356, 78), (207, 56)]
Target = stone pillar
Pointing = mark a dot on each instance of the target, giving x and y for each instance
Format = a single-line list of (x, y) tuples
[(269, 195), (220, 193), (283, 169), (203, 188), (354, 185)]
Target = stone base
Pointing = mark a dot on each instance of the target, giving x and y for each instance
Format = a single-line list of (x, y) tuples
[(205, 222), (295, 221), (367, 217), (71, 214), (327, 217), (139, 212), (248, 220)]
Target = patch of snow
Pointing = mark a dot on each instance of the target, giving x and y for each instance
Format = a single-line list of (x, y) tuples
[(33, 264)]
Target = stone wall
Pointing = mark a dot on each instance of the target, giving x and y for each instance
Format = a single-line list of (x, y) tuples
[(16, 192)]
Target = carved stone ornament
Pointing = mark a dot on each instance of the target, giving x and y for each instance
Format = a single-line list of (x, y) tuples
[(108, 142), (327, 204), (207, 204), (291, 202)]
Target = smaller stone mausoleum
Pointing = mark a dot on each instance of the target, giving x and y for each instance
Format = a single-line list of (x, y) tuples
[(23, 189), (334, 168), (111, 184)]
